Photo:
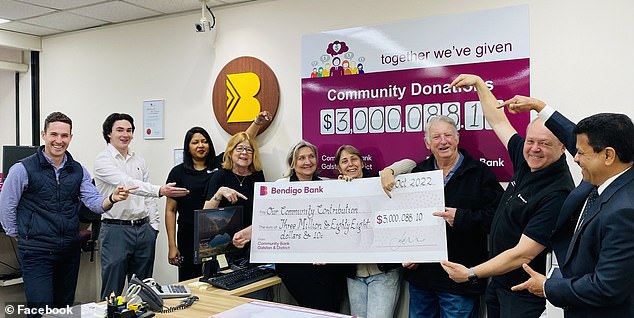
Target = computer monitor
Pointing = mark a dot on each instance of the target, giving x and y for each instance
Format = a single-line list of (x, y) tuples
[(213, 232), (13, 154)]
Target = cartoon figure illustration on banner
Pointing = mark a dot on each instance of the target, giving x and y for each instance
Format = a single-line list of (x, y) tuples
[(338, 61)]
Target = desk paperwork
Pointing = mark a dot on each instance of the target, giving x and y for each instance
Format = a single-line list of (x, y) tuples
[(273, 310)]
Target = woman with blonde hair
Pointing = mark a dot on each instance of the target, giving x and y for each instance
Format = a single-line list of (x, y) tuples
[(200, 161), (234, 183)]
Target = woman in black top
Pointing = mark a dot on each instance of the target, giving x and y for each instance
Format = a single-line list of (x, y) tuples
[(199, 161), (194, 174)]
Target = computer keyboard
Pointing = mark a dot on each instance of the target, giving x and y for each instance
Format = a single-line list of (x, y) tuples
[(241, 277)]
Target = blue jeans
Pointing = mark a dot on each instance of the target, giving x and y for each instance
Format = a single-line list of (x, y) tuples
[(429, 303), (50, 277), (375, 296)]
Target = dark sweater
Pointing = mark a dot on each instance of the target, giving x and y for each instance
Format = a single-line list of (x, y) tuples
[(475, 192)]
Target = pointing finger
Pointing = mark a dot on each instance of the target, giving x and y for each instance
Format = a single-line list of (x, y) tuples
[(529, 270), (519, 287)]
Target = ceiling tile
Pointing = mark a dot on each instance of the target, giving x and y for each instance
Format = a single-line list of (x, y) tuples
[(62, 4), (46, 17), (65, 21), (170, 6), (115, 11), (14, 10), (29, 28)]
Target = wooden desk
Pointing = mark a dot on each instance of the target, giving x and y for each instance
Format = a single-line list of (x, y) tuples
[(267, 282), (215, 300)]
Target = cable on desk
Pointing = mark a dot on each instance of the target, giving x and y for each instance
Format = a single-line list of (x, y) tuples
[(185, 303)]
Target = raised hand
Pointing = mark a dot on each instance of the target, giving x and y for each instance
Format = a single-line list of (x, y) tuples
[(262, 117), (519, 104)]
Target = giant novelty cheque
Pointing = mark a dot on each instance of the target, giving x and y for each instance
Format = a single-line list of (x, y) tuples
[(335, 221)]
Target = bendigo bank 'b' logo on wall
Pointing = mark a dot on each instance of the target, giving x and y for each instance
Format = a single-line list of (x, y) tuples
[(241, 91), (245, 87)]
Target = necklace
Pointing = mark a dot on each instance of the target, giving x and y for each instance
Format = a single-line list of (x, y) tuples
[(240, 181)]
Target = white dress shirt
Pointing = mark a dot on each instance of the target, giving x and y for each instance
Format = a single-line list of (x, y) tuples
[(112, 170)]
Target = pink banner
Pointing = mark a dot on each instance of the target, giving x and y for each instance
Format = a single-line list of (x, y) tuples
[(383, 113)]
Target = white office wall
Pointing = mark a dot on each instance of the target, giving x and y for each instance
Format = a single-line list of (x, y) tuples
[(7, 93), (7, 104), (8, 255), (580, 63), (7, 108), (7, 97)]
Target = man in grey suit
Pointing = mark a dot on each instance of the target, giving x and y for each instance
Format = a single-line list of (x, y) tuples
[(596, 266)]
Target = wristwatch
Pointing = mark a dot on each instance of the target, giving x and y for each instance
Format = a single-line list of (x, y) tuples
[(472, 277)]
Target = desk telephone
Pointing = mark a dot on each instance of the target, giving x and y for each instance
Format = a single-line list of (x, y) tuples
[(149, 295), (153, 300)]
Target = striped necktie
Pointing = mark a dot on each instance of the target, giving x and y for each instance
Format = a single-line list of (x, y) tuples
[(592, 198)]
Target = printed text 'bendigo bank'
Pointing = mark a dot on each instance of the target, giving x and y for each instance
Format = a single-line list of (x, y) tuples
[(295, 190)]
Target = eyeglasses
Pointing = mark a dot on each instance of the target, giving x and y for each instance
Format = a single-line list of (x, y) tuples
[(241, 149)]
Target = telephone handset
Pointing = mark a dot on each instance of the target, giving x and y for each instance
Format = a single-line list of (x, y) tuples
[(153, 300)]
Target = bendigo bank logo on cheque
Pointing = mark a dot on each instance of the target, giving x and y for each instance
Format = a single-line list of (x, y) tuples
[(291, 190), (245, 87)]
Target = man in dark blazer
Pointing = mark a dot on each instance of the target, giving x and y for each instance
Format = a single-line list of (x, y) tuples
[(597, 264)]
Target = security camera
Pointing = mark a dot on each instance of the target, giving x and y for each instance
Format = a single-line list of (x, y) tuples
[(203, 26)]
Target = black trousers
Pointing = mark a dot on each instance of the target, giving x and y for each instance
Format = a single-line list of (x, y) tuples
[(320, 287), (502, 302), (185, 242)]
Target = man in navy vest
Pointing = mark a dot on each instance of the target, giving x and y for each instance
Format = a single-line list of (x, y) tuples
[(39, 206)]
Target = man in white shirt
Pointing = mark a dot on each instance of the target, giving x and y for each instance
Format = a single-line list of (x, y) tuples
[(128, 232)]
